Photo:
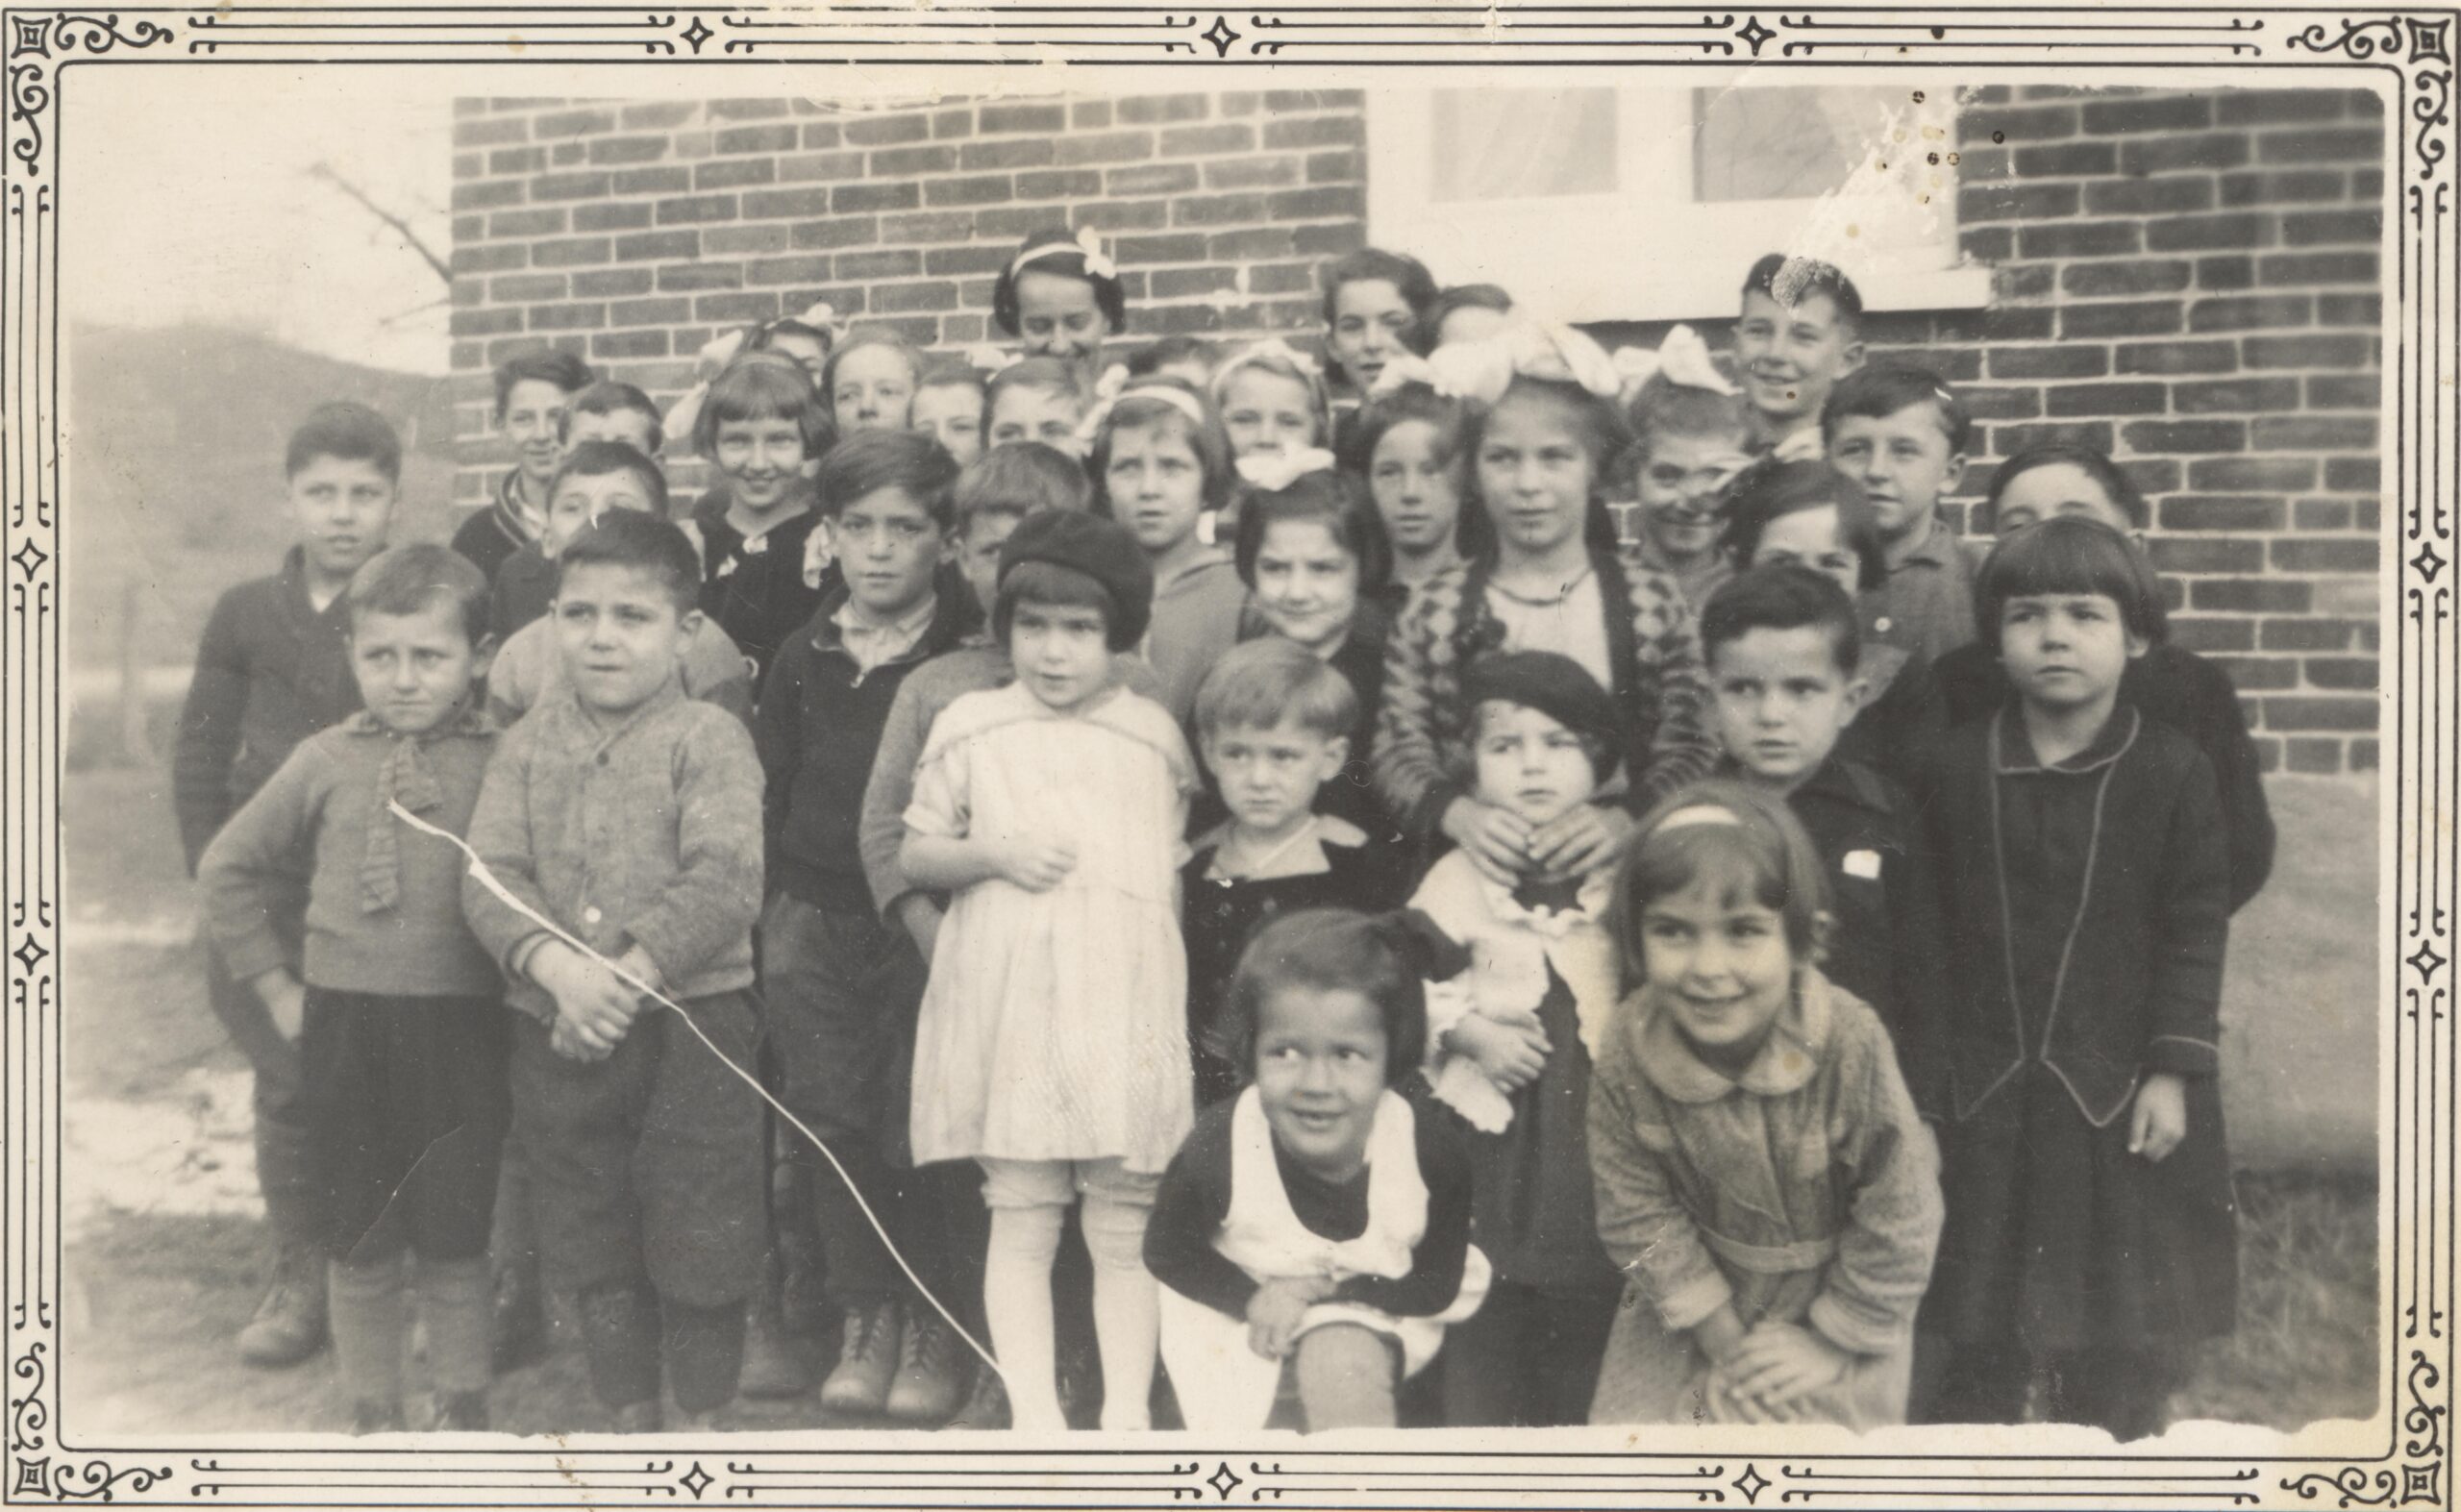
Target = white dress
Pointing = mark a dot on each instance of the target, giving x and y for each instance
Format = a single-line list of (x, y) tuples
[(1054, 1027), (1223, 1384)]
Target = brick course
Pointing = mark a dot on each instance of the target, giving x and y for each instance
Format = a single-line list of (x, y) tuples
[(2190, 279)]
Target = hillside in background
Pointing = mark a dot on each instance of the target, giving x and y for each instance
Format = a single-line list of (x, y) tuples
[(172, 474)]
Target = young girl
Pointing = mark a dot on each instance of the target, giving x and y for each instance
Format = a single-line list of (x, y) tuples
[(1160, 462), (760, 426), (1809, 514), (1692, 432), (1274, 725), (1313, 555), (533, 394), (1412, 442), (1061, 297), (1375, 303), (805, 339), (1272, 399), (869, 382), (2091, 1236), (1512, 1047), (1316, 1229), (1038, 399), (949, 407), (1551, 582), (1053, 1039), (1761, 1173)]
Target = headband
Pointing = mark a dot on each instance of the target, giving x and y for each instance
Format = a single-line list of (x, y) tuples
[(1177, 398), (1691, 814), (1683, 360), (1257, 352), (1098, 262), (1276, 470)]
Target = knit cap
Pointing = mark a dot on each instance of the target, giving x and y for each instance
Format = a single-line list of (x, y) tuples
[(1101, 549), (1557, 686)]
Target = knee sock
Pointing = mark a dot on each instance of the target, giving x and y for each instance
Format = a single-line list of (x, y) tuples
[(1016, 1298), (1125, 1311), (370, 1327), (457, 1301), (704, 1353), (619, 1333)]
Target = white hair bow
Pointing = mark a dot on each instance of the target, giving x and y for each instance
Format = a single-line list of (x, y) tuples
[(1098, 262), (1409, 368), (822, 315), (1274, 471), (988, 358), (1683, 358), (1561, 355), (1107, 389), (721, 349)]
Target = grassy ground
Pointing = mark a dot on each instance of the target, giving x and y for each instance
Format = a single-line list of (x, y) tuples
[(157, 1297)]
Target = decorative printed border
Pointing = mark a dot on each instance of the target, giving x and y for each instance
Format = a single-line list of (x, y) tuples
[(2411, 49)]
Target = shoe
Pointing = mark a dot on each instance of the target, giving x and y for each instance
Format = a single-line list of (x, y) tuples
[(520, 1322), (376, 1417), (771, 1368), (640, 1417), (290, 1322), (866, 1359), (986, 1406), (461, 1412), (930, 1373)]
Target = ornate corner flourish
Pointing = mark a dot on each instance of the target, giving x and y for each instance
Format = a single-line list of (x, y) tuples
[(36, 37)]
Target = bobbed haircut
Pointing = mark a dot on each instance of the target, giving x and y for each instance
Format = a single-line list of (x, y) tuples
[(1783, 597), (598, 458), (1163, 351), (2117, 486), (1139, 410), (1663, 408), (1770, 490), (407, 580), (1017, 477), (1319, 412), (1109, 296), (1338, 949), (1790, 280), (763, 386), (350, 432), (1335, 500), (641, 542), (1052, 586), (2069, 554), (609, 397), (1595, 422), (1758, 851), (1455, 422), (1259, 684), (908, 460), (562, 369), (1368, 264), (1876, 391)]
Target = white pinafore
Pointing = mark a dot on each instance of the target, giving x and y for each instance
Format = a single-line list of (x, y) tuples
[(1220, 1382)]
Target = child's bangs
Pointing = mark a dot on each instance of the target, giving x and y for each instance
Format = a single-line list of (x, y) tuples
[(1748, 856), (1047, 584), (2070, 554)]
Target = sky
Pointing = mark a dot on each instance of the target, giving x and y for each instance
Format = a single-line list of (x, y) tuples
[(193, 202)]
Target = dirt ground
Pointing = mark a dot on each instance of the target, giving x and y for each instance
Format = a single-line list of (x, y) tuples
[(165, 1266)]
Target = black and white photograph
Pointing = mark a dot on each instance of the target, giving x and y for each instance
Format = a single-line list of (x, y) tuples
[(1618, 756)]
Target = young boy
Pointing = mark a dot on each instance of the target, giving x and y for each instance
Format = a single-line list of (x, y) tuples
[(1273, 723), (1689, 444), (611, 411), (534, 398), (1039, 399), (840, 985), (274, 668), (1798, 333), (599, 479), (762, 425), (1002, 486), (396, 1013), (1900, 432), (2170, 682), (1783, 655), (630, 815), (948, 407), (595, 476)]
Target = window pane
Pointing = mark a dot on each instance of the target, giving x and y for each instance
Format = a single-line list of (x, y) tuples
[(1787, 144), (1492, 144)]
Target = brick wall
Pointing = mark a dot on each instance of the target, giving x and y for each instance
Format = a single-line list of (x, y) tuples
[(2189, 281)]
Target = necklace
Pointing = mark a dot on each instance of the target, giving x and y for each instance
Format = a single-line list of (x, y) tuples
[(1266, 860), (1543, 600)]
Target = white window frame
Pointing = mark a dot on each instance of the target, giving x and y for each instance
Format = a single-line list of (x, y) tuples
[(1558, 254)]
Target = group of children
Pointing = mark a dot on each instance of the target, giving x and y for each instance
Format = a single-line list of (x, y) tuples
[(1503, 884)]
